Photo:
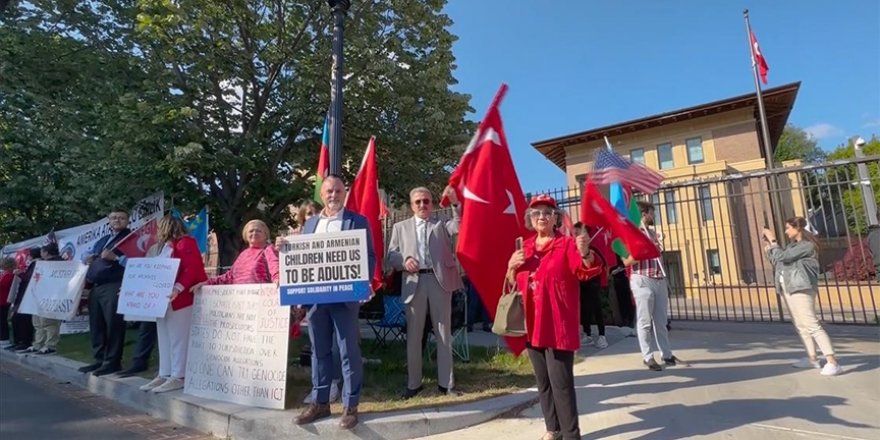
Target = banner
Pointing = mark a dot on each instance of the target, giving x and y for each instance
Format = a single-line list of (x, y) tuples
[(79, 324), (146, 286), (54, 290), (238, 345), (325, 268), (74, 243)]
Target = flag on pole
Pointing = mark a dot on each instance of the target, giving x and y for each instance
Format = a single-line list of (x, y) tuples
[(492, 209), (610, 167), (363, 198), (197, 226), (598, 212), (758, 58), (323, 159), (138, 242)]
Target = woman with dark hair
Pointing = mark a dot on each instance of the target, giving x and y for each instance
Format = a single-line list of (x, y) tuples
[(22, 324), (547, 270), (797, 280), (591, 301), (173, 329)]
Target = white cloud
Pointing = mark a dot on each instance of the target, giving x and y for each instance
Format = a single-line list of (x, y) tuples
[(873, 123), (823, 130)]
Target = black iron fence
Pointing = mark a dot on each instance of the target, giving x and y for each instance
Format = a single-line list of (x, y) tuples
[(714, 255)]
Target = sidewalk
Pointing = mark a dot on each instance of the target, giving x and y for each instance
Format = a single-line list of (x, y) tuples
[(740, 386)]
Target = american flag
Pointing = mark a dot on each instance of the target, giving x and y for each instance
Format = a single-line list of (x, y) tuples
[(609, 167)]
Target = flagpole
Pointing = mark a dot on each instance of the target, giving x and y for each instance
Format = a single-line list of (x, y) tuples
[(765, 133)]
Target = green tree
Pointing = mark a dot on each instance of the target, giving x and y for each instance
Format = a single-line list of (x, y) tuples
[(846, 182), (225, 100), (795, 143)]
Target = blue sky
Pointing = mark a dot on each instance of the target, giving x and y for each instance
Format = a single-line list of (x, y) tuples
[(576, 65)]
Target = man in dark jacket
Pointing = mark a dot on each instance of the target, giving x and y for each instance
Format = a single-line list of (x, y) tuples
[(106, 267)]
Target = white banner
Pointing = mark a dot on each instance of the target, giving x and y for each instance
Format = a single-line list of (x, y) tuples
[(146, 286), (54, 290), (76, 242), (238, 345), (324, 268)]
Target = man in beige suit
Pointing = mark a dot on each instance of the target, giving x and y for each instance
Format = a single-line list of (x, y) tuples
[(421, 247)]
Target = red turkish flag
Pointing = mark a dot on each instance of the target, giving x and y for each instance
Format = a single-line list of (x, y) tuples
[(492, 210), (759, 59), (138, 242), (363, 198), (596, 211)]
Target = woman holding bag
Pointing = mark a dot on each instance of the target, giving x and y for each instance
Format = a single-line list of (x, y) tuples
[(173, 329), (547, 271)]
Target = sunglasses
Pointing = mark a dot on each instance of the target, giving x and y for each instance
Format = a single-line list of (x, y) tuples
[(422, 201), (539, 214)]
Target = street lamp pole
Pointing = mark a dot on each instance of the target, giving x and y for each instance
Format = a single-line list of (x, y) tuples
[(865, 183), (339, 8)]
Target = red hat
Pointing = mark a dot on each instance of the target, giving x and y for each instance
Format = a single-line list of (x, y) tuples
[(542, 199)]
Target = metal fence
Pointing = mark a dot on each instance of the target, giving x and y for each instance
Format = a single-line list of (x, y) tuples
[(713, 251)]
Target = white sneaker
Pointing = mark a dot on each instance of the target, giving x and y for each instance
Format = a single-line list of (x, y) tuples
[(586, 340), (807, 363), (153, 384), (334, 392), (601, 343), (831, 369), (169, 385)]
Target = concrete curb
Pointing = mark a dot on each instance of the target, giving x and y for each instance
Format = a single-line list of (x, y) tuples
[(227, 420)]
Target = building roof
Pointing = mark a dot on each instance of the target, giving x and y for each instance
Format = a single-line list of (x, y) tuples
[(778, 102)]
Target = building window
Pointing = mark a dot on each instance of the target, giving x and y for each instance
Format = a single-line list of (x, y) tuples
[(664, 152), (655, 200), (637, 155), (580, 179), (705, 200), (713, 260), (671, 210), (695, 150)]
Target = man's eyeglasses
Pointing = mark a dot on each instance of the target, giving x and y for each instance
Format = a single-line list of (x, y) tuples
[(422, 201)]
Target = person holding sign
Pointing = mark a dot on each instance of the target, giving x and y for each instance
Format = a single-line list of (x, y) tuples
[(174, 328), (547, 270), (343, 317), (22, 324), (47, 331), (421, 247), (7, 265), (107, 328), (255, 265)]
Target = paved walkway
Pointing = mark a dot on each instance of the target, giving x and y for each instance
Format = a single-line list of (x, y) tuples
[(740, 386)]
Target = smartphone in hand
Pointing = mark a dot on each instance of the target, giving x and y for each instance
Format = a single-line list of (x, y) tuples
[(519, 243)]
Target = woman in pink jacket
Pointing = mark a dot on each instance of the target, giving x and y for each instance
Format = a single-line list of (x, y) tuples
[(257, 264)]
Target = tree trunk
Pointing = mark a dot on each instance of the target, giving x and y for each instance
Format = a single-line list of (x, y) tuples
[(228, 247)]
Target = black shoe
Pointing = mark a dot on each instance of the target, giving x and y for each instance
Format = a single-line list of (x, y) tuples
[(673, 361), (133, 370), (89, 368), (447, 392), (409, 394), (653, 365), (487, 328), (106, 369)]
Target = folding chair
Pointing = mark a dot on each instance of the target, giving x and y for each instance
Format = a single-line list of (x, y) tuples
[(392, 324)]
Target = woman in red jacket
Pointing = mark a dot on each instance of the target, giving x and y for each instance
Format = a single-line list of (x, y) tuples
[(173, 330), (547, 270), (7, 276)]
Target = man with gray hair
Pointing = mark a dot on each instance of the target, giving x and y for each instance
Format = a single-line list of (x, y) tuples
[(421, 247)]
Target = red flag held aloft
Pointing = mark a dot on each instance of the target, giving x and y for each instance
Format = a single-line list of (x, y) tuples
[(492, 210), (138, 242), (363, 198), (598, 212)]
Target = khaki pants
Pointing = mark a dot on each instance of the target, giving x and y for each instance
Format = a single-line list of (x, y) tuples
[(802, 307), (47, 332)]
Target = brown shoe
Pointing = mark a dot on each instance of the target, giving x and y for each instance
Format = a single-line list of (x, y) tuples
[(349, 418), (312, 413)]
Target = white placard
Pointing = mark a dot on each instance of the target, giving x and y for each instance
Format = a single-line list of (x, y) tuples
[(146, 286), (79, 324), (54, 290), (238, 345), (325, 268)]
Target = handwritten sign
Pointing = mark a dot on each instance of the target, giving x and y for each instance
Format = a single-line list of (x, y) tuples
[(146, 286), (325, 268), (55, 289), (238, 345)]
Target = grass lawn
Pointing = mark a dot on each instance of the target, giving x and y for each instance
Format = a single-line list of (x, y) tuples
[(489, 373)]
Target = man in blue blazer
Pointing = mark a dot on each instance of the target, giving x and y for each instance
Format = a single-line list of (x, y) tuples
[(323, 318)]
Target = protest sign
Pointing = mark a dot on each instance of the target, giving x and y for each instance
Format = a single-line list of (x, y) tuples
[(146, 286), (78, 324), (325, 268), (238, 345), (54, 290)]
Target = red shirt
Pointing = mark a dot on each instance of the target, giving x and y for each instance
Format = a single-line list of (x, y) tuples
[(551, 293), (5, 285)]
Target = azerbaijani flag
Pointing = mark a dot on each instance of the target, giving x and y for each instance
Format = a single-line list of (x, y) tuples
[(323, 159), (622, 200)]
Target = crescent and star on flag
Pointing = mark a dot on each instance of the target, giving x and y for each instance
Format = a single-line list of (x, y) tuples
[(490, 135)]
